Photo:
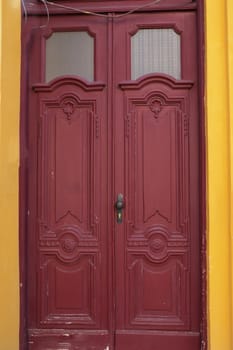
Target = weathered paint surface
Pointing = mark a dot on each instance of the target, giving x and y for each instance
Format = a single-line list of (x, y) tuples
[(219, 102), (9, 160)]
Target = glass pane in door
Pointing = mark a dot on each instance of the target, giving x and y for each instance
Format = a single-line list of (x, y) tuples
[(155, 51), (70, 53)]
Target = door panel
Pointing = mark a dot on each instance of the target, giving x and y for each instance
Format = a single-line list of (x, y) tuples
[(157, 256), (68, 204), (94, 283), (69, 287), (157, 224)]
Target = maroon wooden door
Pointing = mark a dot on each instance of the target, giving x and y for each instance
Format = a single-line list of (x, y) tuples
[(156, 168), (94, 283), (69, 271)]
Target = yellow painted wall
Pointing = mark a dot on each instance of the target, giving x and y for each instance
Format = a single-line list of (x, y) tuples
[(219, 103), (219, 133), (230, 89), (9, 160)]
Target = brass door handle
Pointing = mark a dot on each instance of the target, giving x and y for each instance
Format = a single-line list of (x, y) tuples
[(119, 205)]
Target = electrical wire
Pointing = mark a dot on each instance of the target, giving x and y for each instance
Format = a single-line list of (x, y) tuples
[(48, 3), (51, 3), (47, 11), (25, 11)]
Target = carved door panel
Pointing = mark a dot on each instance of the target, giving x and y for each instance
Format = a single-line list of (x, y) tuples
[(128, 124), (156, 128)]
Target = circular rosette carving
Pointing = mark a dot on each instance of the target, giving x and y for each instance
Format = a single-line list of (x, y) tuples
[(69, 243), (158, 246)]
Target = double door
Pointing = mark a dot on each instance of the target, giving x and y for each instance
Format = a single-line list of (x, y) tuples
[(113, 236)]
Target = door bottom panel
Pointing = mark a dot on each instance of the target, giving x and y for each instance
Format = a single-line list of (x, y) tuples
[(152, 340), (60, 339)]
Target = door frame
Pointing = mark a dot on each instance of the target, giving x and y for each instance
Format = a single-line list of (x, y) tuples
[(123, 6)]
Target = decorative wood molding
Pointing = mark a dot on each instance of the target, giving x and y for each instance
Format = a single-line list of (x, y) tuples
[(155, 78), (155, 106), (71, 80)]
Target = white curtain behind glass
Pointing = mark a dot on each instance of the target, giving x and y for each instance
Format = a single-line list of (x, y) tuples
[(155, 51)]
